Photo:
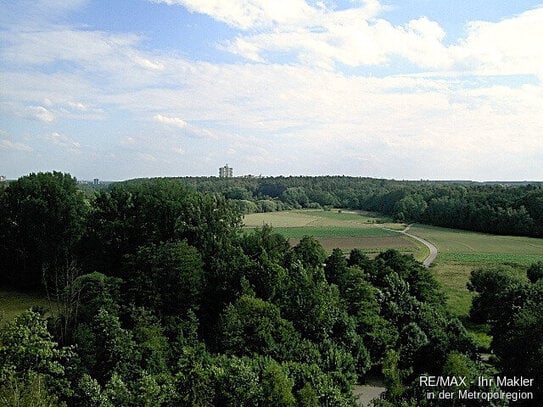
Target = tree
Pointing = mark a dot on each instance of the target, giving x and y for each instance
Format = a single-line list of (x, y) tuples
[(310, 303), (411, 207), (130, 216), (310, 252), (237, 381), (28, 355), (166, 278), (276, 386), (267, 252), (335, 267), (29, 392), (253, 326), (42, 221), (520, 347), (106, 348), (500, 292)]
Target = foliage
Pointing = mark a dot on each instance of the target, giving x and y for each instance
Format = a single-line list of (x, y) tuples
[(29, 392), (42, 220), (535, 271), (253, 326), (166, 278), (513, 306), (29, 355)]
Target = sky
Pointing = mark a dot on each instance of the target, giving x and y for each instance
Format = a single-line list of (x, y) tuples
[(401, 89)]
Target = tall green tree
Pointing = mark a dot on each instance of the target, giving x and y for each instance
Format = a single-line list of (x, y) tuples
[(42, 221)]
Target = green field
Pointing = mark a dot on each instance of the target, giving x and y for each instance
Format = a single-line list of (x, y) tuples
[(332, 231), (13, 303), (460, 252), (454, 242)]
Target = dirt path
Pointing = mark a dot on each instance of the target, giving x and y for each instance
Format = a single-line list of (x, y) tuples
[(365, 393), (433, 250)]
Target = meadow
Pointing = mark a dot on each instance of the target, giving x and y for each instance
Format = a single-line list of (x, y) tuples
[(461, 252)]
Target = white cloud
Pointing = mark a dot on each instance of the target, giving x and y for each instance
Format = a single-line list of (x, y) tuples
[(172, 121), (322, 36), (147, 157), (248, 14), (77, 106), (9, 145), (41, 113), (508, 47), (63, 141), (189, 130), (358, 36)]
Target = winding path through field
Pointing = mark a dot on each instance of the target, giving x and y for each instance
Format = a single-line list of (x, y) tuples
[(433, 250)]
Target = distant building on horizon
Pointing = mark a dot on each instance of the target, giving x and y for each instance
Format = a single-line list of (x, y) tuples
[(226, 172), (96, 181), (2, 178)]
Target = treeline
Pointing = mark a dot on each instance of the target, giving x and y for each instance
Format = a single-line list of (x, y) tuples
[(162, 300), (490, 208)]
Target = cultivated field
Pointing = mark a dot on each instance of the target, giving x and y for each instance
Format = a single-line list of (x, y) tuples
[(339, 229)]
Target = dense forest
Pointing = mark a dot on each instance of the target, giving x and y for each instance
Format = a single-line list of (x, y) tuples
[(160, 298), (513, 209)]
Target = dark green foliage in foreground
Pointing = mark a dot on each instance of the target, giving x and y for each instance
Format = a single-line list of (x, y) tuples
[(42, 220), (166, 302), (513, 306)]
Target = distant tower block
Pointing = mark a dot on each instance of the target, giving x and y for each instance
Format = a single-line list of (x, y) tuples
[(96, 181), (226, 172)]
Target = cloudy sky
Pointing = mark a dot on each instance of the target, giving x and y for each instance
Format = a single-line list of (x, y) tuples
[(404, 89)]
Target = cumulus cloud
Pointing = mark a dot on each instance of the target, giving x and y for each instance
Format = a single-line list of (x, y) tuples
[(77, 106), (190, 130), (508, 47), (361, 36)]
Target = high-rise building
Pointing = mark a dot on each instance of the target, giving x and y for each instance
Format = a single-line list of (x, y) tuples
[(226, 172)]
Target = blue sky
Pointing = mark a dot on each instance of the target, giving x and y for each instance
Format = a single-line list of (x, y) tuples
[(412, 89)]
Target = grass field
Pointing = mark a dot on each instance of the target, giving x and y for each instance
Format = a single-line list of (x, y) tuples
[(460, 252), (455, 242), (13, 303)]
